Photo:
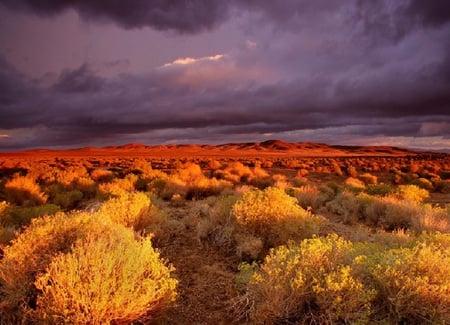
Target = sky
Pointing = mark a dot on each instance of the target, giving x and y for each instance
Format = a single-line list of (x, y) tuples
[(77, 73)]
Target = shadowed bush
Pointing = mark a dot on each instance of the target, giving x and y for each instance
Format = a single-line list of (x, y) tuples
[(14, 216)]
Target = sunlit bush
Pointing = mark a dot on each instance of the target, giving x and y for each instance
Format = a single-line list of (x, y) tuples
[(134, 210), (274, 216), (414, 284), (310, 282), (412, 192), (103, 280), (118, 187), (189, 182), (31, 252), (22, 190), (368, 178)]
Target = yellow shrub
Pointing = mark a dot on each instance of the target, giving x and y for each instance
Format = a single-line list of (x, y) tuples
[(134, 210), (32, 251), (274, 216), (189, 182), (310, 282), (103, 280), (412, 192), (414, 283), (22, 190)]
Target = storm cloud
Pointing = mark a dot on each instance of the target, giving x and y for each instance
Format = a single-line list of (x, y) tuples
[(308, 71)]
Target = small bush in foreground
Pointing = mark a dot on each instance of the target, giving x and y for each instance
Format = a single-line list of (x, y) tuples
[(103, 280)]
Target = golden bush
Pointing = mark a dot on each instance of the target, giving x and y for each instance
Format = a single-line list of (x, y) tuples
[(31, 252), (133, 210), (414, 283), (412, 193), (274, 216), (104, 280), (310, 282), (23, 190)]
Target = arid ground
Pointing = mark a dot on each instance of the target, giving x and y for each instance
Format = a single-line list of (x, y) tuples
[(216, 212)]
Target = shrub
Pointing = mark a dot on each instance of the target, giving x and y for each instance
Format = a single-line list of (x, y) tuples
[(412, 192), (218, 224), (391, 213), (414, 284), (355, 183), (345, 205), (14, 216), (380, 189), (310, 282), (274, 216), (31, 252), (189, 182), (309, 196), (118, 186), (134, 210), (22, 190), (103, 280), (368, 178), (68, 200)]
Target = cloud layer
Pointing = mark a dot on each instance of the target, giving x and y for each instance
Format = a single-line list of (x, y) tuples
[(309, 71)]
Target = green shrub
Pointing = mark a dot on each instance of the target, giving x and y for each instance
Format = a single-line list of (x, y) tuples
[(104, 280), (68, 200), (345, 205), (14, 216), (218, 225), (382, 189)]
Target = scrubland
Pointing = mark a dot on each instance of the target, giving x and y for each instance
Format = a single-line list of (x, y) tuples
[(225, 240)]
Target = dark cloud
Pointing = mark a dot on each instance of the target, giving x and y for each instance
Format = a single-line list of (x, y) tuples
[(136, 105), (79, 80), (434, 13), (315, 71), (184, 16)]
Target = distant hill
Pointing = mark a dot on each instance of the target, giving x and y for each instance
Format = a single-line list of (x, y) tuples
[(250, 149)]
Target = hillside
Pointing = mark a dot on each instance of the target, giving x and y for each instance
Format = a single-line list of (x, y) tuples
[(250, 149)]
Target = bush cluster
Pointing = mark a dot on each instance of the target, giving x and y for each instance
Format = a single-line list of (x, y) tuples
[(85, 268), (330, 280)]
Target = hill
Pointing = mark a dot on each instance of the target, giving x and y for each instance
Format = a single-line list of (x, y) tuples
[(249, 149)]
